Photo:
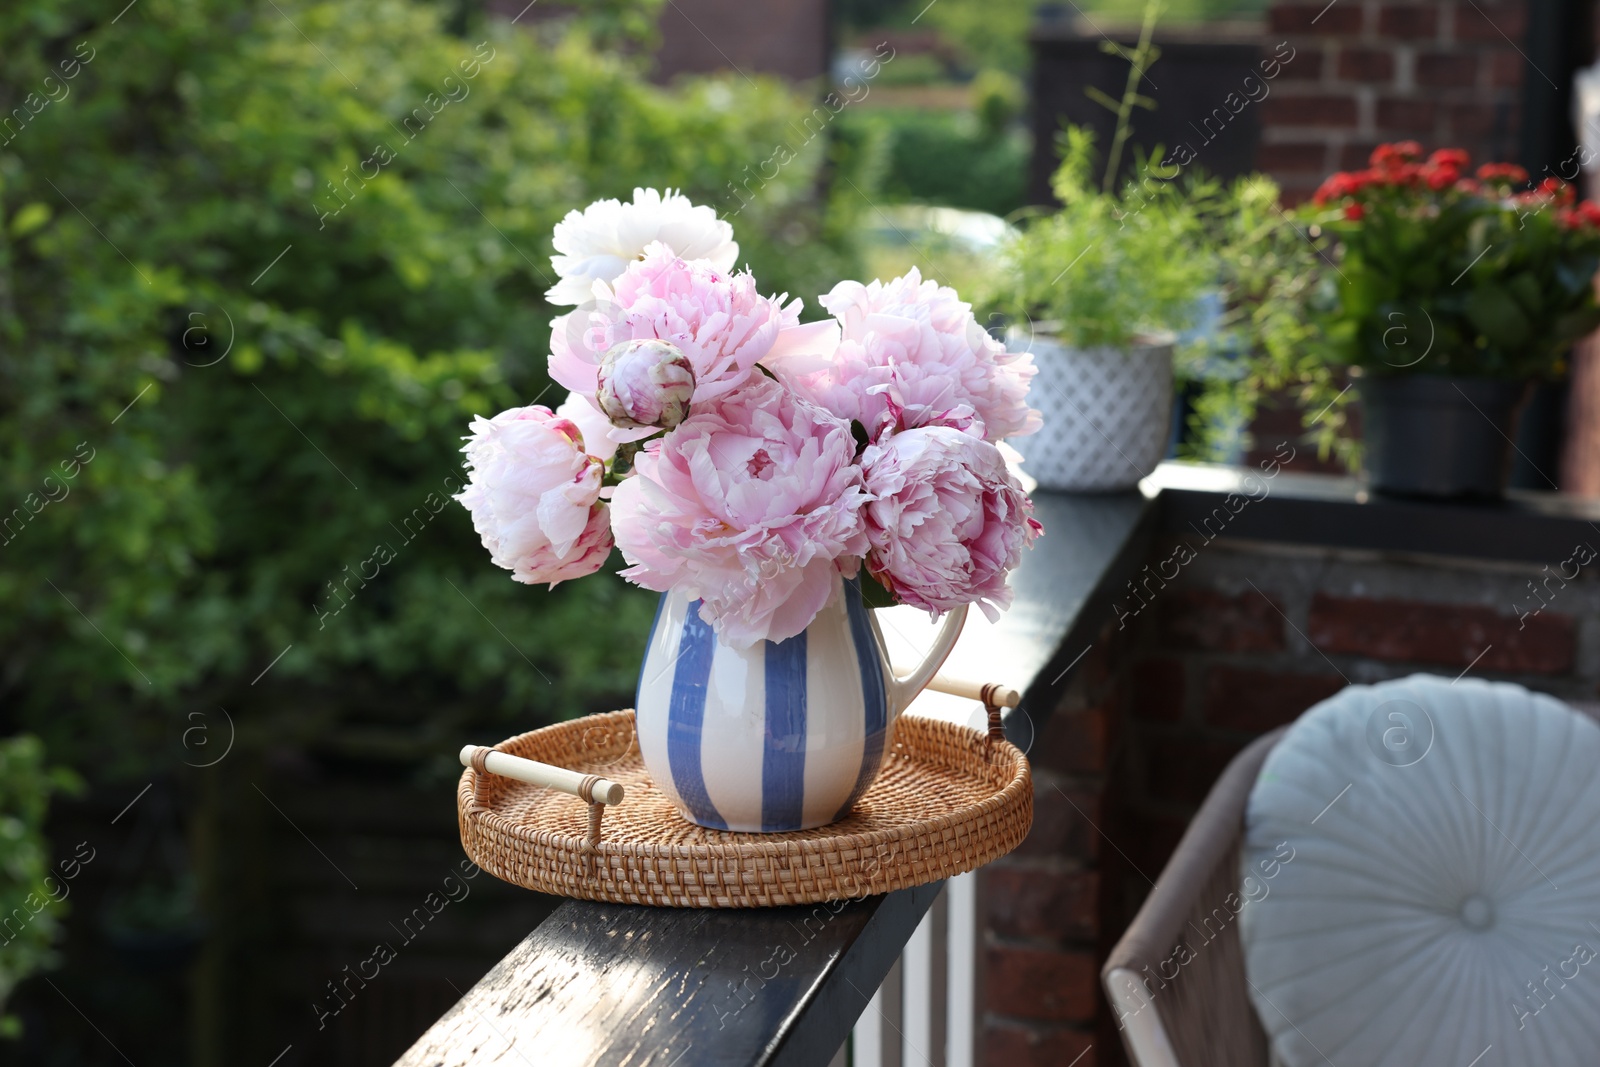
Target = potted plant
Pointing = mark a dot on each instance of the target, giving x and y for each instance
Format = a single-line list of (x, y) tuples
[(759, 473), (1097, 291), (1448, 297)]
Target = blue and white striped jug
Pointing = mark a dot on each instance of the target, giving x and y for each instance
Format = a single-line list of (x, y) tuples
[(783, 735)]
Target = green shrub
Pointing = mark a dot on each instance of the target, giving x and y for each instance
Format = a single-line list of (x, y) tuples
[(997, 99), (916, 69), (993, 32), (947, 158), (257, 269), (32, 892)]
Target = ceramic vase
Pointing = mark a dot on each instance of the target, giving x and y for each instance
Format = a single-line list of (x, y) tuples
[(784, 735)]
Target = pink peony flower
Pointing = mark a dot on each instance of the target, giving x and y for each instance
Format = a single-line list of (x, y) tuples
[(911, 354), (645, 383), (598, 243), (947, 520), (592, 423), (752, 505), (534, 495), (719, 321)]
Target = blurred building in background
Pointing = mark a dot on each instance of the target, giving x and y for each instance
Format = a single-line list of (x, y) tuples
[(1328, 82), (788, 38)]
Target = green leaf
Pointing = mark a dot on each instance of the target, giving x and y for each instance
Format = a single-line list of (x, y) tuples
[(28, 218), (1102, 98), (873, 593), (1575, 324), (1527, 291), (1498, 318)]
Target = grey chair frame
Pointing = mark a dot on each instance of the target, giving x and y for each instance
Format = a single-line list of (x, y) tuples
[(1202, 1016)]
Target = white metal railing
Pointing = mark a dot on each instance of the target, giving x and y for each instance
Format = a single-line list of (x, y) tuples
[(926, 1012)]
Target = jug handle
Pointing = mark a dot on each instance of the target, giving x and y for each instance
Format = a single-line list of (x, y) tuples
[(903, 690)]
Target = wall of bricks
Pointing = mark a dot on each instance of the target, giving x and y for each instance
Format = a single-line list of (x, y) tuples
[(1442, 72), (1244, 640), (1045, 922)]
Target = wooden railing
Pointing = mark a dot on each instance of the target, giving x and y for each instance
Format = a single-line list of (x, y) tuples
[(895, 976), (899, 976)]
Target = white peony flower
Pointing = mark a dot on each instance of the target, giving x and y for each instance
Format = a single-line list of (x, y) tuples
[(598, 243)]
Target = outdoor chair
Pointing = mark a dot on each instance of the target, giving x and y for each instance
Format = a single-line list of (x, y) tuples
[(1369, 963)]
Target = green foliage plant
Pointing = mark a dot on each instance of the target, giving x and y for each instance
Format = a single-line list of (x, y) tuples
[(32, 892), (1107, 269), (1115, 263), (272, 390), (1139, 59), (994, 33), (948, 159), (1261, 342), (998, 98)]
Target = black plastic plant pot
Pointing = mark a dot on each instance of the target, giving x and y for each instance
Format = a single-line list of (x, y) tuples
[(1432, 435)]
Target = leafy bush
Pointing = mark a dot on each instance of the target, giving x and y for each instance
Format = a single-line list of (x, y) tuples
[(31, 896), (997, 100), (1261, 341), (916, 69), (993, 32), (258, 264), (947, 158)]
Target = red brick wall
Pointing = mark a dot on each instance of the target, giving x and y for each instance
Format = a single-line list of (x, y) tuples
[(1246, 638), (1368, 71), (1045, 921)]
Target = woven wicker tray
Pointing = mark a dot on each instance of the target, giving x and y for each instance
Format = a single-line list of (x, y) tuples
[(948, 800)]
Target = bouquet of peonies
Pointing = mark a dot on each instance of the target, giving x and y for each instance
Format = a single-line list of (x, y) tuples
[(742, 458)]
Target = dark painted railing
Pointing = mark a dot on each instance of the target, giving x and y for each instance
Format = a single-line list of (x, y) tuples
[(654, 987)]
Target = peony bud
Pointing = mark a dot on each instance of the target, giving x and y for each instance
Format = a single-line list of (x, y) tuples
[(645, 382)]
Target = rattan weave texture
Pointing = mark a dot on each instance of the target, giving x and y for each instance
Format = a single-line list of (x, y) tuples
[(947, 801)]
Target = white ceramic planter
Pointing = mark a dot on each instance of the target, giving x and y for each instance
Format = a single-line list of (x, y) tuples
[(1107, 414)]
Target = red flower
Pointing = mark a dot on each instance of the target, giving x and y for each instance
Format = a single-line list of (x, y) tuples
[(1559, 190), (1450, 157), (1354, 212), (1508, 172), (1391, 156), (1440, 176), (1584, 214), (1337, 185)]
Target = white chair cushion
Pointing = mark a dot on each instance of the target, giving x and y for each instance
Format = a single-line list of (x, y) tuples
[(1421, 880)]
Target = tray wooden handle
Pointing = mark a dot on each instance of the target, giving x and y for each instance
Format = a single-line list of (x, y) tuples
[(992, 694), (589, 788)]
